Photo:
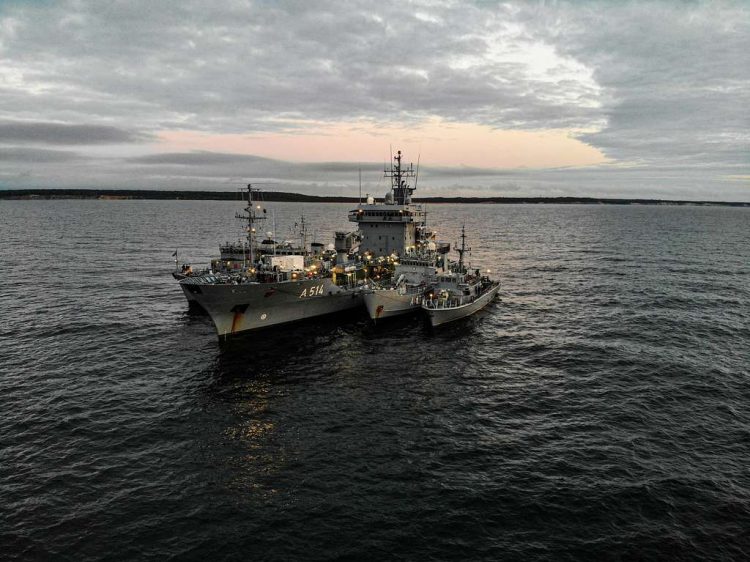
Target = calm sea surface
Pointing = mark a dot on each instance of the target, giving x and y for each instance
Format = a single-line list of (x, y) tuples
[(600, 410)]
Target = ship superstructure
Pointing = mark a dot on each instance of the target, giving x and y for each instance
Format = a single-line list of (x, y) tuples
[(396, 229), (395, 226), (236, 258)]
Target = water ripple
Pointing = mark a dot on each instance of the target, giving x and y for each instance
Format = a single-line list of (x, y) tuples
[(599, 410)]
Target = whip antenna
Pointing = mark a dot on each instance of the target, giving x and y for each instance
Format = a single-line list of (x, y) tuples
[(416, 178)]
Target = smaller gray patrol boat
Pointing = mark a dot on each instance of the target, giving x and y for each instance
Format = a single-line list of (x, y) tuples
[(458, 293)]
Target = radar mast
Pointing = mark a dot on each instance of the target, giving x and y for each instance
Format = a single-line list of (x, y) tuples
[(401, 189), (252, 216)]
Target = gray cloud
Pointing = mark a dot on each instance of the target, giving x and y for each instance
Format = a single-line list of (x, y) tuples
[(36, 155), (57, 133), (213, 162), (198, 158), (662, 86), (244, 65), (678, 75)]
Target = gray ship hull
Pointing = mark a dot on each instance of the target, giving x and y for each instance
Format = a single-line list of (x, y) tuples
[(440, 316), (188, 295), (252, 306), (386, 303)]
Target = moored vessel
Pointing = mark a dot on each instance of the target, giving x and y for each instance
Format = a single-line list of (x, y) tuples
[(237, 258), (268, 290), (458, 293)]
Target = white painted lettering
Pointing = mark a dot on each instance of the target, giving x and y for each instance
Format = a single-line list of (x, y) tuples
[(314, 291)]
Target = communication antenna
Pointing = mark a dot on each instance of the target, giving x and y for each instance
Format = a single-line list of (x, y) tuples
[(360, 185), (463, 249), (416, 178)]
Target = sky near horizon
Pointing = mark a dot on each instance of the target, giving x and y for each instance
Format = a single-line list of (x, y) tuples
[(585, 98)]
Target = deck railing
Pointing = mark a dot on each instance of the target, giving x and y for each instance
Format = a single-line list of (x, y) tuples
[(443, 303)]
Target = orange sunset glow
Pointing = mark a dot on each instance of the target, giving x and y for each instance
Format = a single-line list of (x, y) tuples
[(440, 143)]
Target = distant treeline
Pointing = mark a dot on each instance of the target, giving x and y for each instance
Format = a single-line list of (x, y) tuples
[(301, 198)]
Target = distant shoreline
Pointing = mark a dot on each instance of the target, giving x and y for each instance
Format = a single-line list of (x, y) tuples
[(280, 196)]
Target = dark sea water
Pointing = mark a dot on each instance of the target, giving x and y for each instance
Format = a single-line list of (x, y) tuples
[(600, 410)]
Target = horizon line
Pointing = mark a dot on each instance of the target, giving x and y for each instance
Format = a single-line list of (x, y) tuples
[(286, 196)]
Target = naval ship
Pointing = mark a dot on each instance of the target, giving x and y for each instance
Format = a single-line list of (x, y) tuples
[(270, 290), (234, 256), (459, 292)]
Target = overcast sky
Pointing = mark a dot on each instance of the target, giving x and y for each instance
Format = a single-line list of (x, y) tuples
[(626, 99)]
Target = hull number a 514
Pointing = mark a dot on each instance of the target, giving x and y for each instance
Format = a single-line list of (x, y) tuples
[(312, 292)]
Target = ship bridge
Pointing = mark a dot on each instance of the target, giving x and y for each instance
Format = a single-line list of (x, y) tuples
[(381, 213), (395, 225)]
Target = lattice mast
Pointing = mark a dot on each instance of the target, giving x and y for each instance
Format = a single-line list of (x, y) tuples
[(252, 216), (399, 175)]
